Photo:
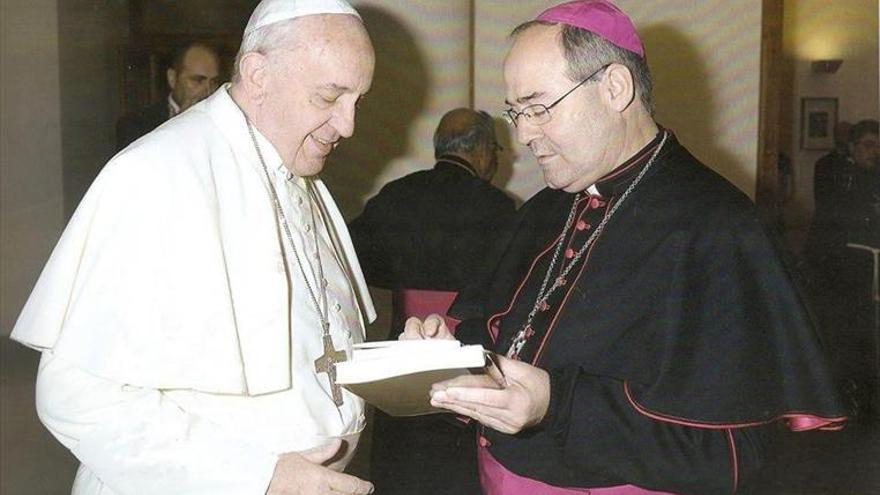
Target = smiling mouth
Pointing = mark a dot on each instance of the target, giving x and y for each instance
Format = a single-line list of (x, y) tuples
[(323, 144)]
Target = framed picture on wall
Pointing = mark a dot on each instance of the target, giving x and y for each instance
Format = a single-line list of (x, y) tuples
[(818, 118)]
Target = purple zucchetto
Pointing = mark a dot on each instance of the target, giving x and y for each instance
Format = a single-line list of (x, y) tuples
[(600, 17)]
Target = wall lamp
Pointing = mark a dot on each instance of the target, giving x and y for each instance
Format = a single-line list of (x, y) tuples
[(825, 66)]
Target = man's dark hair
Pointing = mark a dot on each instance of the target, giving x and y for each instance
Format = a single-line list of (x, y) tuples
[(180, 53), (480, 133), (867, 126), (585, 52)]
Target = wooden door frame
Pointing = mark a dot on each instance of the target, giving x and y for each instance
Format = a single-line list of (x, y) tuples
[(769, 107)]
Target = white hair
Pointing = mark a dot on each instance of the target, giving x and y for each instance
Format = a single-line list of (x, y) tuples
[(264, 40)]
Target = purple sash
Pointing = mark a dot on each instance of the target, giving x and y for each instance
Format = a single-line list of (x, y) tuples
[(498, 480)]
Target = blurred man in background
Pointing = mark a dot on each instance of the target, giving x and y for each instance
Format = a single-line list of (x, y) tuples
[(194, 74), (842, 267)]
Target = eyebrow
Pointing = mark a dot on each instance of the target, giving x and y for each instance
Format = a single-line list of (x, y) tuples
[(336, 87), (525, 99)]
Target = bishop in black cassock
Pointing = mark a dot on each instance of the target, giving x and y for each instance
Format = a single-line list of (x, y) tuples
[(652, 332)]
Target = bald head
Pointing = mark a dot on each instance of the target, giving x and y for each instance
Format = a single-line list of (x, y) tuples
[(468, 134), (194, 74)]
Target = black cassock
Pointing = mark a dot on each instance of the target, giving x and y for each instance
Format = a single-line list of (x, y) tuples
[(845, 228), (677, 337), (431, 230)]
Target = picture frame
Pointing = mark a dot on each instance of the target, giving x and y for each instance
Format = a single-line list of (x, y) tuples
[(818, 118)]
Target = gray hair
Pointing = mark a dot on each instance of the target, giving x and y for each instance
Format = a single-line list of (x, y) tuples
[(264, 40), (585, 52), (480, 133)]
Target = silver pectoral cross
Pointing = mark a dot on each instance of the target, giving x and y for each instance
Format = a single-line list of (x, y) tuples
[(327, 364)]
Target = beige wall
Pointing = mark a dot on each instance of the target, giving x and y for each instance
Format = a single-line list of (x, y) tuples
[(705, 64), (421, 72), (31, 206), (818, 30), (90, 93)]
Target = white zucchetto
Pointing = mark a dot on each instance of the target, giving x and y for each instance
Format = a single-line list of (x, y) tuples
[(272, 11)]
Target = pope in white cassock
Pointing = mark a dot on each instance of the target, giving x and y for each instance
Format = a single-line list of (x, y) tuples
[(191, 313)]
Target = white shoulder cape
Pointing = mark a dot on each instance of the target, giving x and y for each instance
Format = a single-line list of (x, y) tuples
[(166, 276)]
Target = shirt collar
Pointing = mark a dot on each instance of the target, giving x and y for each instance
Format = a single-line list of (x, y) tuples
[(615, 182), (271, 156), (458, 162), (173, 107)]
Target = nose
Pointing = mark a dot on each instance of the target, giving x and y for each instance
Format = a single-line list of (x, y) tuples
[(344, 119), (526, 132)]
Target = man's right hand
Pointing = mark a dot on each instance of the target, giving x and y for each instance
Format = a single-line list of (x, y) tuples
[(305, 474), (434, 327)]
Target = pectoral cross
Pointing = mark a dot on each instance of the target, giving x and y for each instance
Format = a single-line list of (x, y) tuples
[(327, 364)]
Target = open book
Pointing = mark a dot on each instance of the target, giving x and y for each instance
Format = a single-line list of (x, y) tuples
[(396, 375)]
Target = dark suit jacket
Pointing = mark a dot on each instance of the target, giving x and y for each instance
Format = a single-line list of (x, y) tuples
[(134, 125)]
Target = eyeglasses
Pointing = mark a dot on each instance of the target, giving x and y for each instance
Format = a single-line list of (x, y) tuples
[(538, 113)]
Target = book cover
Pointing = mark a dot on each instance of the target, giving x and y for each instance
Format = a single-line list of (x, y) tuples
[(396, 376)]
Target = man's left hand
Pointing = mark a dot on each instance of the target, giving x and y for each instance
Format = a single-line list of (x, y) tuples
[(433, 327), (522, 403)]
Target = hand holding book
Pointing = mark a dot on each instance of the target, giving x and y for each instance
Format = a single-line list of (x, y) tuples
[(503, 394), (397, 376), (433, 327), (521, 403)]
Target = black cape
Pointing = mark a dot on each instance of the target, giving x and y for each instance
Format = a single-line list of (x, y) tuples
[(679, 329)]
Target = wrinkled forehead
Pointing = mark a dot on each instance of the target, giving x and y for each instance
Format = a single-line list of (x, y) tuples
[(535, 63), (332, 49)]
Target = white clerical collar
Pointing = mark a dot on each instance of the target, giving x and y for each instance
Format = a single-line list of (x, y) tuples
[(274, 162), (270, 154), (593, 190), (173, 107)]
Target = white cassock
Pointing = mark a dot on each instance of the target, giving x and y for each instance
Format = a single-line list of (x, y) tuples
[(178, 335)]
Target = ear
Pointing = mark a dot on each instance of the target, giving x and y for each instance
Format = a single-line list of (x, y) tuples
[(171, 76), (482, 158), (618, 87), (254, 72)]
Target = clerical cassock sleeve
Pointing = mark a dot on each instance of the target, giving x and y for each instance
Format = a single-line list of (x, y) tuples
[(603, 437), (136, 440)]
